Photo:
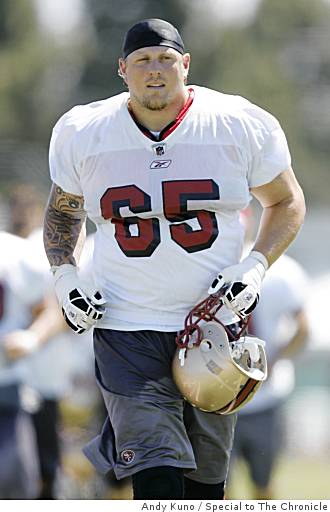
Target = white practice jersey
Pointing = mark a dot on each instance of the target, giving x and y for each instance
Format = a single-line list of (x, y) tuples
[(283, 295), (167, 213)]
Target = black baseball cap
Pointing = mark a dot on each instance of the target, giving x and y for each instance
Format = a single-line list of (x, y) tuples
[(152, 32)]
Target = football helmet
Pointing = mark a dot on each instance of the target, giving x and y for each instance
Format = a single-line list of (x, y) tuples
[(217, 368)]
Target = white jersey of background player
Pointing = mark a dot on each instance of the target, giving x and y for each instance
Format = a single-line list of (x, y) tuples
[(98, 152)]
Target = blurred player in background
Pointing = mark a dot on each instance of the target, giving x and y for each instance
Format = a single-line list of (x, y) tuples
[(24, 320), (280, 319), (31, 320)]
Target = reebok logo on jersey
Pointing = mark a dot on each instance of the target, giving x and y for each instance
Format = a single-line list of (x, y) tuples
[(127, 456), (160, 164)]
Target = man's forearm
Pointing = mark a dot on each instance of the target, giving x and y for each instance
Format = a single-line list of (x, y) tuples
[(283, 214), (279, 226), (299, 339), (63, 223), (48, 322)]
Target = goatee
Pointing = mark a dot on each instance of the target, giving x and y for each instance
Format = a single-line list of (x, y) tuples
[(154, 105)]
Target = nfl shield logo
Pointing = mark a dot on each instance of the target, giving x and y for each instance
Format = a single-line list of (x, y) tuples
[(159, 148)]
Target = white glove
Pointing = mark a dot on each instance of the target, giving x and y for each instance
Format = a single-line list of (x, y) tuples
[(80, 311), (242, 283)]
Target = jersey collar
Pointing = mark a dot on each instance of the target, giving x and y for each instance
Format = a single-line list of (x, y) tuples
[(172, 125)]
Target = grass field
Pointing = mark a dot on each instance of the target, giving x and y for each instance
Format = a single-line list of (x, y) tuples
[(299, 478)]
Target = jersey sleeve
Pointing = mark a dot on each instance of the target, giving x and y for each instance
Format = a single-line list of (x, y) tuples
[(269, 152), (64, 155)]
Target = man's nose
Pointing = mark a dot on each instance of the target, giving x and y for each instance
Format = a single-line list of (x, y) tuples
[(154, 67)]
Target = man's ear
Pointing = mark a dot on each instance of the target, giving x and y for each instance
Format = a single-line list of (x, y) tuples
[(186, 63), (122, 68)]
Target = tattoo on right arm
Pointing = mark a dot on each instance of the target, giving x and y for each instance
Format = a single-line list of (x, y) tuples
[(64, 218)]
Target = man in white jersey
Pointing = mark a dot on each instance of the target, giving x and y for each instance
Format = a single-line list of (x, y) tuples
[(21, 297), (163, 171), (48, 363), (280, 318)]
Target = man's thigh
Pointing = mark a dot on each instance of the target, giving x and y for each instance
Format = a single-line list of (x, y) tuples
[(145, 409)]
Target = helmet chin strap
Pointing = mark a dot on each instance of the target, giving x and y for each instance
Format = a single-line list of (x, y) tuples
[(206, 311)]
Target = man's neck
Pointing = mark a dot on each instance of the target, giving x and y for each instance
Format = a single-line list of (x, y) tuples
[(157, 120)]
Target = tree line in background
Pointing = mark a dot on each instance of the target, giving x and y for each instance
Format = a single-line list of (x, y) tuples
[(280, 61)]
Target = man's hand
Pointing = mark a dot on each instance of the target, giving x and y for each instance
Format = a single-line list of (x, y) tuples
[(241, 283), (19, 344), (80, 311)]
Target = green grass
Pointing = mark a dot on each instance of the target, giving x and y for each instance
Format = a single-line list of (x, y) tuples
[(300, 479)]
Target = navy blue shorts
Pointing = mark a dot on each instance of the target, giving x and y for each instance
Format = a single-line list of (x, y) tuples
[(149, 424)]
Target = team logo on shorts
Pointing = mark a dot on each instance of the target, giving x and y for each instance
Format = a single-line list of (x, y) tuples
[(127, 456)]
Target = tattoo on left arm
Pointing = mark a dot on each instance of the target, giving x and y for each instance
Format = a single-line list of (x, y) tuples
[(64, 218)]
